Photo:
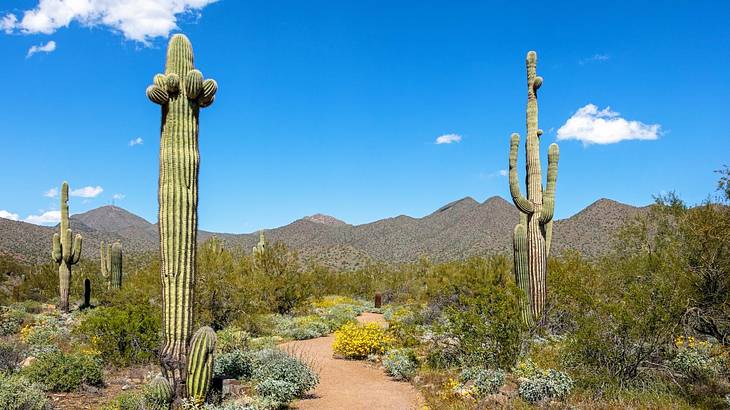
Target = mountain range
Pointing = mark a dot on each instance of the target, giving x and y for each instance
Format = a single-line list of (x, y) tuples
[(457, 230)]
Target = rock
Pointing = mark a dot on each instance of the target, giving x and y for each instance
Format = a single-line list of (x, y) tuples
[(27, 362), (126, 387), (232, 387)]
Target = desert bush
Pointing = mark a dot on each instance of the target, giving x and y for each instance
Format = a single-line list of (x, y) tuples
[(123, 335), (61, 372), (11, 353), (127, 401), (357, 341), (400, 364), (693, 359), (18, 393), (44, 330), (236, 364), (231, 338), (487, 326), (11, 320), (282, 373), (285, 284), (545, 384), (481, 381)]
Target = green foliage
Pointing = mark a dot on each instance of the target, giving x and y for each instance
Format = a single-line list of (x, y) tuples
[(282, 375), (129, 334), (18, 393), (482, 381), (11, 353), (548, 384), (400, 364), (487, 325), (62, 372), (236, 364), (231, 339), (285, 284)]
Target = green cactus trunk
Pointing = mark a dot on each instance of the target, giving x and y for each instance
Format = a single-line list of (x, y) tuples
[(181, 92), (532, 236), (66, 251), (200, 364), (111, 264), (116, 266)]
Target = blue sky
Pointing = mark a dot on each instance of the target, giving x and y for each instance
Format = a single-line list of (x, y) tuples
[(336, 107)]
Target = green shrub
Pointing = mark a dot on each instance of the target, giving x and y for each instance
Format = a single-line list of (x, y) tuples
[(127, 401), (483, 381), (123, 335), (278, 391), (282, 373), (11, 353), (693, 359), (18, 393), (549, 384), (400, 364), (60, 372), (11, 320), (231, 338), (237, 364), (45, 330)]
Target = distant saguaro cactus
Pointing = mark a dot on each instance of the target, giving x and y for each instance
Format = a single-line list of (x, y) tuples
[(533, 234), (261, 246), (181, 92), (111, 264), (66, 250), (87, 294)]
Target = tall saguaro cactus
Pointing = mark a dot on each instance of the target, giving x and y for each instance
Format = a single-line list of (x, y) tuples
[(111, 264), (66, 250), (181, 92), (533, 234)]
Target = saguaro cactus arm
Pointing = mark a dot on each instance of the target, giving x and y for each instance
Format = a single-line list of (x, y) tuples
[(200, 363), (520, 201), (548, 196), (56, 253)]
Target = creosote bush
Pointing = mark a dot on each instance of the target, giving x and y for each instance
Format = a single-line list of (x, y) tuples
[(65, 372), (18, 393)]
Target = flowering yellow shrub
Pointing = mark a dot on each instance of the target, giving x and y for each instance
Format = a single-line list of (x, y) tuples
[(357, 341), (334, 300)]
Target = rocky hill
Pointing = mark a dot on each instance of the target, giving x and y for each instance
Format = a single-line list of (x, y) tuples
[(459, 229)]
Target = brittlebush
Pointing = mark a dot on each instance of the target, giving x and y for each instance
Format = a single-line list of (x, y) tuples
[(357, 341)]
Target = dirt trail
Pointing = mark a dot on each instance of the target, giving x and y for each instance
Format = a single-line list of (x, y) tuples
[(352, 385)]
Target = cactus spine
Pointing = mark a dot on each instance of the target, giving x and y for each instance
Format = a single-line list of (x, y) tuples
[(532, 236), (66, 250), (180, 92), (200, 364), (111, 264)]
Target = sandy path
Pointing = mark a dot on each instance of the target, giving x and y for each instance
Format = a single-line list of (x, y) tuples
[(352, 385)]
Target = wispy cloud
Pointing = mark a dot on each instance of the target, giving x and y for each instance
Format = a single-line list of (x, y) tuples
[(51, 193), (136, 141), (448, 139), (138, 20), (593, 126), (49, 47), (46, 218), (595, 58), (498, 173), (8, 215), (87, 192), (118, 196)]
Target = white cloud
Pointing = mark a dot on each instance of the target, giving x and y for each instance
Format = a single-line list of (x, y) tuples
[(136, 141), (87, 192), (46, 218), (502, 172), (138, 20), (448, 139), (8, 215), (593, 126), (51, 193), (49, 47), (595, 58), (118, 196)]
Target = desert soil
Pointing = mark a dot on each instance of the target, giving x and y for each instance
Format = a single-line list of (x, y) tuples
[(349, 384)]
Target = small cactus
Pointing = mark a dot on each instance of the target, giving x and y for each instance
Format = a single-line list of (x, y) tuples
[(200, 364), (87, 294), (378, 300), (158, 394), (66, 250), (261, 246)]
